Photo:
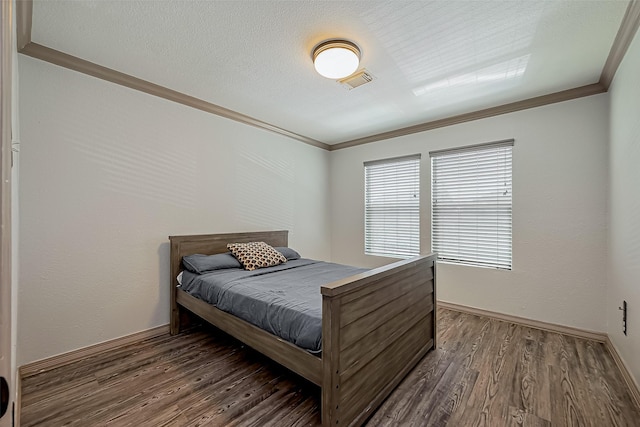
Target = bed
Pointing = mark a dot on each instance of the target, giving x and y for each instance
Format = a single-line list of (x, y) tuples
[(376, 326)]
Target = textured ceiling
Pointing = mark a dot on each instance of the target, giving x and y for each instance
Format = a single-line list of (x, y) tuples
[(431, 59)]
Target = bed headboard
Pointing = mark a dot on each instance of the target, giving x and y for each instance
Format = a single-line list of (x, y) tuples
[(209, 244)]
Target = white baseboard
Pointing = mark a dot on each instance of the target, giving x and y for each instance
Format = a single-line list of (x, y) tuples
[(634, 388), (82, 353), (537, 324)]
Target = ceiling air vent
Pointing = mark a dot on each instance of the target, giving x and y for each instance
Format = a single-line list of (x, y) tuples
[(356, 80)]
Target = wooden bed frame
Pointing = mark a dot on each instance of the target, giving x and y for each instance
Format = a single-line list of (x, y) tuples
[(376, 326)]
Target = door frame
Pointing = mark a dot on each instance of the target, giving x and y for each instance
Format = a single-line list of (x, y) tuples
[(6, 54)]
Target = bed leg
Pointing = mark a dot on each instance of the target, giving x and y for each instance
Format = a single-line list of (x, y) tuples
[(174, 325)]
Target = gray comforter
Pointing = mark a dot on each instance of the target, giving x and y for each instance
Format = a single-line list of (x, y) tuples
[(284, 300)]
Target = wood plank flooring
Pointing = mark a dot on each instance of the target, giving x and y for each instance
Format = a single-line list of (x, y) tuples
[(484, 373)]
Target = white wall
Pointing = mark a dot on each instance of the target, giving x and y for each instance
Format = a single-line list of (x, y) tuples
[(107, 173), (624, 209), (559, 211)]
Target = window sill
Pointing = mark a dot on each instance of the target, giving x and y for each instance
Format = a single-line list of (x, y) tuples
[(466, 264)]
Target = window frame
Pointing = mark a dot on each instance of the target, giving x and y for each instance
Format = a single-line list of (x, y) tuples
[(385, 240), (474, 248)]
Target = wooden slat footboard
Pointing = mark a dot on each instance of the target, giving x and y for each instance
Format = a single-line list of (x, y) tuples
[(376, 327)]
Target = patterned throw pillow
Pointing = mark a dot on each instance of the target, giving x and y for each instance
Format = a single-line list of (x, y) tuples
[(256, 255)]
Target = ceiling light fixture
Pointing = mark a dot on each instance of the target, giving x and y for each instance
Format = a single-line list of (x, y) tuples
[(336, 59)]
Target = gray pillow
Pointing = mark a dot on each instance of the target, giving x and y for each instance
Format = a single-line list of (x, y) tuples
[(288, 253), (200, 264)]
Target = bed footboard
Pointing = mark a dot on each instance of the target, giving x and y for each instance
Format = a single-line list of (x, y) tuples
[(376, 328)]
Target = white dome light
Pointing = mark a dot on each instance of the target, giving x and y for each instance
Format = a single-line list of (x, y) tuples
[(336, 59)]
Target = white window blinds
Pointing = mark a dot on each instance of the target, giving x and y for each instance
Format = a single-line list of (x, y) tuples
[(471, 204), (392, 207)]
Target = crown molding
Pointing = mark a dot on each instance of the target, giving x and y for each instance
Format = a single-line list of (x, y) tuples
[(628, 28), (537, 101), (626, 33), (71, 62), (24, 15)]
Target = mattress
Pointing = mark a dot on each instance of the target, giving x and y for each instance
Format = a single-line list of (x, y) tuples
[(284, 300)]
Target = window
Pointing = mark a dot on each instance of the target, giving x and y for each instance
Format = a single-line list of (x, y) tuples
[(392, 207), (471, 204)]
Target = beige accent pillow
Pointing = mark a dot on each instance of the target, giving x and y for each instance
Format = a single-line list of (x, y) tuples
[(256, 255)]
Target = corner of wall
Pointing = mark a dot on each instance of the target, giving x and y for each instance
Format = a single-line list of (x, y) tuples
[(623, 210)]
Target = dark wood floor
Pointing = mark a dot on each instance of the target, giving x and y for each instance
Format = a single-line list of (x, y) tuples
[(484, 373)]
